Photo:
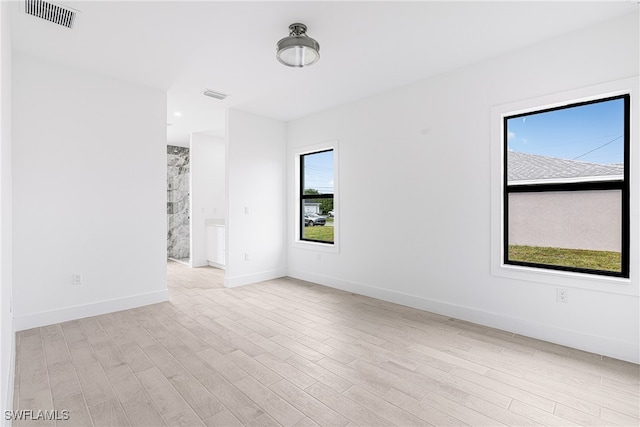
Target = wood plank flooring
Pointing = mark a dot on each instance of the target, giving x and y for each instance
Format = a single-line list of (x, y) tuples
[(290, 353)]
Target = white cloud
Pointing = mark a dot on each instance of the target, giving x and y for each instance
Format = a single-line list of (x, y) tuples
[(511, 135)]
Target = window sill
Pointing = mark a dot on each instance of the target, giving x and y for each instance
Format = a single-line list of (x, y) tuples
[(316, 246), (566, 279)]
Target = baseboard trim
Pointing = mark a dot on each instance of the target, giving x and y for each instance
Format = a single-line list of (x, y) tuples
[(87, 310), (232, 282), (628, 351), (8, 402), (216, 265)]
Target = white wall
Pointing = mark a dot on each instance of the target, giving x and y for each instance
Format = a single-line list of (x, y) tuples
[(7, 345), (256, 174), (423, 154), (89, 193), (208, 175)]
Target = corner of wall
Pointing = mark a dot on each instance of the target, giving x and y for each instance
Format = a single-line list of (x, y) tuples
[(106, 210), (34, 320), (256, 198), (7, 329), (417, 128)]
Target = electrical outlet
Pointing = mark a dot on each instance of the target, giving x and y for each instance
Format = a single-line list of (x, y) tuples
[(77, 279), (562, 295), (246, 256)]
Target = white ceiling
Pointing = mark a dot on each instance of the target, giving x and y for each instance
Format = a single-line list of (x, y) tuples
[(366, 47)]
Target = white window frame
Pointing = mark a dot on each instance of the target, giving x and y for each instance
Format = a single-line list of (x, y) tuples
[(627, 286), (306, 244)]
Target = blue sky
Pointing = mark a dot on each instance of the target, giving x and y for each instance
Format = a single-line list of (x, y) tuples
[(318, 168), (590, 133)]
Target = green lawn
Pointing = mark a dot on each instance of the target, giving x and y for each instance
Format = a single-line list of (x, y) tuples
[(579, 258), (323, 233)]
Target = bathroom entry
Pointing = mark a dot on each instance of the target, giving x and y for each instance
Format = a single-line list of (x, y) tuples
[(178, 195)]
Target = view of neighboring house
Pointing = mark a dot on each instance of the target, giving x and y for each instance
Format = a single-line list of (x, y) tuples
[(312, 208), (563, 219), (535, 169)]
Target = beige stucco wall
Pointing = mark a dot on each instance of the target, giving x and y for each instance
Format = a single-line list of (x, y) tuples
[(571, 219)]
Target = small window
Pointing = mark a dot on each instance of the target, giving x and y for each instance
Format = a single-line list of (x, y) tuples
[(566, 187), (317, 214)]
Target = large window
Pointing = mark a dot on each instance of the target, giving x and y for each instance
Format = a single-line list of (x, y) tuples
[(566, 187), (317, 213)]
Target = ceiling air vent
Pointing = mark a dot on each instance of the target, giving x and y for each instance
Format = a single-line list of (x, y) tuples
[(214, 94), (51, 12)]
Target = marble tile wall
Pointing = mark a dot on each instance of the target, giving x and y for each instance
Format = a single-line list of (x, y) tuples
[(178, 215)]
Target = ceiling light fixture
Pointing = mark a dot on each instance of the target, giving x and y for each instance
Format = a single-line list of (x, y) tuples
[(298, 50), (214, 94)]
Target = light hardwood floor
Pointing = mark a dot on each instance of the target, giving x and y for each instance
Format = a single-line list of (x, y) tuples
[(286, 352)]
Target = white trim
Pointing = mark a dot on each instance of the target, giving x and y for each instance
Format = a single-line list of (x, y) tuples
[(11, 378), (249, 279), (295, 155), (555, 277), (179, 261), (216, 265), (45, 318), (606, 346), (567, 98)]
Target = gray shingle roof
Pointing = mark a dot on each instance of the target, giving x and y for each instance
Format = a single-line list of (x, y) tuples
[(532, 167)]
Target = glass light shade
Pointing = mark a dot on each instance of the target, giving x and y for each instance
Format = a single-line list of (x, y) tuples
[(298, 56)]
